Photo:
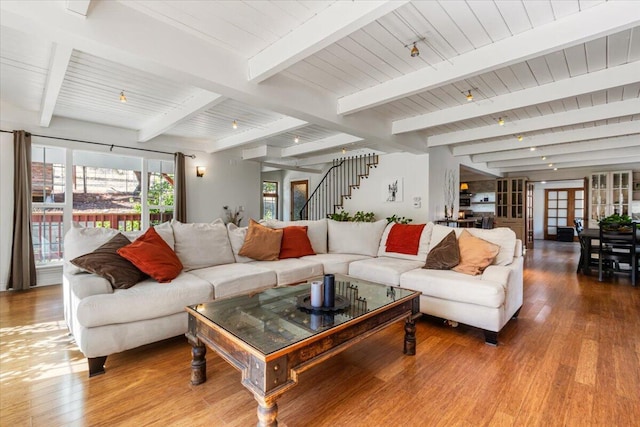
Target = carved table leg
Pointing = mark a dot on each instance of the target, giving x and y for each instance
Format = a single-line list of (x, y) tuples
[(267, 413), (198, 364), (410, 337)]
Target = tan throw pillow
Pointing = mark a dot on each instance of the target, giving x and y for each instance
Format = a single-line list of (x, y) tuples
[(475, 254), (261, 243), (445, 255)]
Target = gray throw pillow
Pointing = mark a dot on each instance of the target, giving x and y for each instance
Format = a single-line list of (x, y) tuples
[(445, 255)]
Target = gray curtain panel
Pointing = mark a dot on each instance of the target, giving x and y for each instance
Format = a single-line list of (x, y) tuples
[(22, 274), (180, 188)]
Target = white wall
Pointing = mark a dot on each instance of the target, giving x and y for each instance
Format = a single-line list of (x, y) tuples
[(371, 196), (538, 201), (6, 206)]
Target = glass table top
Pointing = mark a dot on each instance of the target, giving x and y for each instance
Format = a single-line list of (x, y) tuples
[(272, 320)]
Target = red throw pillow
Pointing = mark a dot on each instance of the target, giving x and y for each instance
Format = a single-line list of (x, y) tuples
[(151, 254), (295, 242), (404, 238)]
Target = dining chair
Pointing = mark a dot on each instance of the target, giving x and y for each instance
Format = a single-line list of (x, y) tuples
[(617, 246)]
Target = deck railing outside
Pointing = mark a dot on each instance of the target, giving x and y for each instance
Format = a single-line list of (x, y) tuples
[(48, 230)]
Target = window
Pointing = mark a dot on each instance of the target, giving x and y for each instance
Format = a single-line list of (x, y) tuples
[(160, 191), (106, 190), (48, 201), (269, 200)]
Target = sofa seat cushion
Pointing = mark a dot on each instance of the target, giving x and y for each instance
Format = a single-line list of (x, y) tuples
[(454, 286), (235, 279), (383, 270), (83, 285), (335, 263), (291, 270), (146, 300)]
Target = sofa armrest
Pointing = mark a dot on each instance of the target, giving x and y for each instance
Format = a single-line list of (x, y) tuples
[(85, 285), (497, 273)]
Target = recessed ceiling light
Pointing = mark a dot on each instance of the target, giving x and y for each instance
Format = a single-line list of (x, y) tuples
[(555, 169), (296, 139), (532, 148), (543, 182), (550, 165)]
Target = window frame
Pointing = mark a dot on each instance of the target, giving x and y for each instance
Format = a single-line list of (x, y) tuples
[(274, 196)]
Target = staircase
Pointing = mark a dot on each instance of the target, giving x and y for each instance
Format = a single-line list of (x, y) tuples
[(341, 179)]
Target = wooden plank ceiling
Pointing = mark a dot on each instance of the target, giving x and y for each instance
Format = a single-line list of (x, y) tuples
[(305, 79)]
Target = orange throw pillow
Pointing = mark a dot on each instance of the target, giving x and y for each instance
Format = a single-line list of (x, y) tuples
[(295, 242), (153, 256), (404, 238), (476, 254), (261, 243)]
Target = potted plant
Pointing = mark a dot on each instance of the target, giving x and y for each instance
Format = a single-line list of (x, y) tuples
[(615, 222)]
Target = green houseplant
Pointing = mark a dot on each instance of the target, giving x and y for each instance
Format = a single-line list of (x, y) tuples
[(615, 222)]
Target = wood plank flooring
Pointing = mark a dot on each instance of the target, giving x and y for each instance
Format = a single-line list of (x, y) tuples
[(571, 359)]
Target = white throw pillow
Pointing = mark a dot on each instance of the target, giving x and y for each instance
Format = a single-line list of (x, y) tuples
[(362, 238), (200, 245), (236, 237), (165, 230), (423, 245), (316, 231)]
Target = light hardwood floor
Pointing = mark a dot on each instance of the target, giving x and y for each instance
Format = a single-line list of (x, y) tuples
[(571, 359)]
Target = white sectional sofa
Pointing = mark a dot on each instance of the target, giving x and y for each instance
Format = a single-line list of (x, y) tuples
[(105, 320)]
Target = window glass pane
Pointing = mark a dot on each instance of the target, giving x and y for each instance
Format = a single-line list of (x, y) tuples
[(552, 213), (553, 194), (579, 204), (553, 203), (552, 221), (47, 174), (269, 200), (580, 194), (562, 213), (562, 204), (106, 190), (562, 222), (160, 191), (563, 194), (551, 230), (47, 233)]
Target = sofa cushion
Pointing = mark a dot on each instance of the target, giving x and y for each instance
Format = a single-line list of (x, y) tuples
[(383, 270), (106, 262), (361, 238), (501, 236), (80, 240), (476, 254), (453, 286), (316, 231), (152, 255), (236, 237), (147, 300), (295, 243), (200, 245), (165, 230), (445, 255), (261, 243), (423, 246), (234, 279), (291, 270), (335, 263)]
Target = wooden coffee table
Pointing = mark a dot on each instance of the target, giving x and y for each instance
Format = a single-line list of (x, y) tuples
[(271, 340)]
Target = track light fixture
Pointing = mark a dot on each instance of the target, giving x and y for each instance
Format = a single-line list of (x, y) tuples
[(469, 96), (123, 98), (234, 124), (544, 157), (532, 148), (415, 51), (520, 137), (500, 121), (344, 150), (296, 139)]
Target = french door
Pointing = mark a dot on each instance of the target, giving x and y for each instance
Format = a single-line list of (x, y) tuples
[(562, 207)]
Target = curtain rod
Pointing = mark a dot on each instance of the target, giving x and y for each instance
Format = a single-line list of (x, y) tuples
[(111, 146)]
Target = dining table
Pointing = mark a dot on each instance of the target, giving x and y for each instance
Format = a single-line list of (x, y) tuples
[(589, 244)]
